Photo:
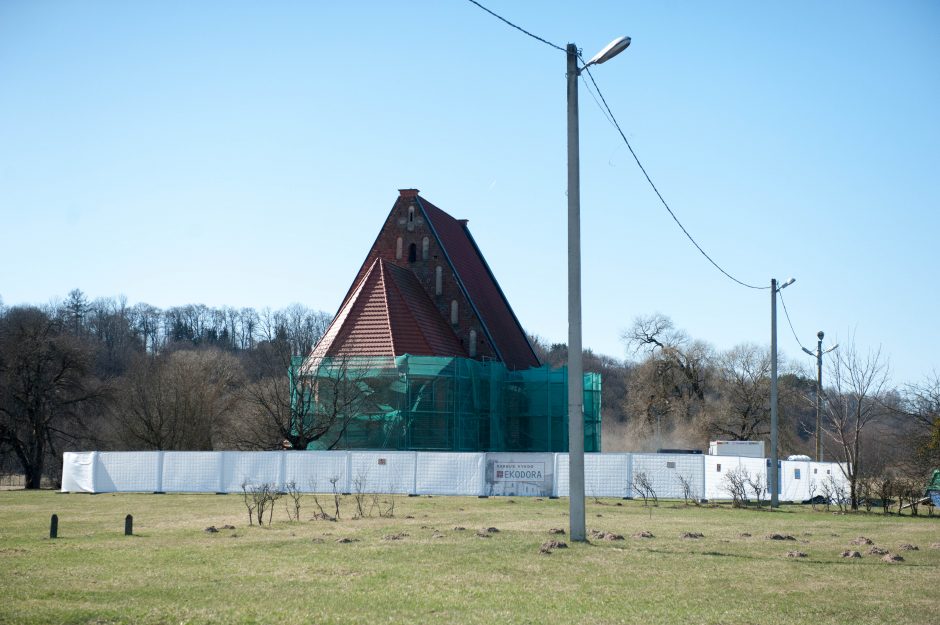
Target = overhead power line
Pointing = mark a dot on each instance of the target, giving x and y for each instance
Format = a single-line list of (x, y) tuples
[(613, 120), (790, 323), (610, 116), (519, 28)]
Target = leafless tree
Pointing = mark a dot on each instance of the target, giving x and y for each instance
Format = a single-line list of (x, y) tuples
[(178, 400), (644, 486), (735, 483), (857, 381), (308, 403), (743, 412), (45, 382), (758, 484)]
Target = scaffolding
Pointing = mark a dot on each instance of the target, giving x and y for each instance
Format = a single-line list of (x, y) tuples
[(428, 403)]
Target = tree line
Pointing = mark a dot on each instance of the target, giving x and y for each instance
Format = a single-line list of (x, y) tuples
[(102, 374)]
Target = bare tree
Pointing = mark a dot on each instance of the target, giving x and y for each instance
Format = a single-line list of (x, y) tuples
[(858, 382), (310, 402), (668, 390), (743, 413), (178, 400), (45, 382)]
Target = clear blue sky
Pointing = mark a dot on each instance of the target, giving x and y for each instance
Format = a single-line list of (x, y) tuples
[(245, 153)]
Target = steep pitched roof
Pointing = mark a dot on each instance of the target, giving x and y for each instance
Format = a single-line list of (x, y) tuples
[(474, 276), (481, 287), (388, 314)]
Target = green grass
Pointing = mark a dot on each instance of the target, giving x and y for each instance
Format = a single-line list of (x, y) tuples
[(172, 571)]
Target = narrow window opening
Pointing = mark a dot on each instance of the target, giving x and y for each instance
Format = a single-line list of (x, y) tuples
[(398, 244), (425, 247), (670, 465), (411, 214), (796, 474), (438, 280), (453, 311), (473, 343), (718, 468), (412, 253)]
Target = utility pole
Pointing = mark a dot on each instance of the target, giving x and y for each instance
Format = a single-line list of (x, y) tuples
[(818, 355), (577, 529), (774, 468)]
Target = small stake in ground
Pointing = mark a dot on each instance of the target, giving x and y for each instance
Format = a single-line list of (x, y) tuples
[(128, 525), (54, 526)]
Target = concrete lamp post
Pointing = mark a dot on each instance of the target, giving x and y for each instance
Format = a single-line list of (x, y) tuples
[(818, 354), (774, 462), (577, 530)]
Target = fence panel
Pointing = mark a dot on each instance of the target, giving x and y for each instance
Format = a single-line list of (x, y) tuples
[(605, 475), (382, 472), (192, 471), (663, 471), (449, 473), (318, 471), (251, 469), (117, 471), (78, 471)]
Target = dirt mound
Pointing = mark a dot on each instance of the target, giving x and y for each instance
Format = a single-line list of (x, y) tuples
[(877, 551), (228, 527), (892, 558), (599, 535), (796, 554), (643, 534), (909, 547), (550, 545), (211, 530), (851, 554), (556, 530), (692, 535), (459, 528), (779, 537), (346, 541), (744, 535), (398, 536), (861, 540)]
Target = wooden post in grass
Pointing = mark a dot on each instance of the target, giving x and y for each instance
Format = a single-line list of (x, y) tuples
[(128, 525), (54, 526)]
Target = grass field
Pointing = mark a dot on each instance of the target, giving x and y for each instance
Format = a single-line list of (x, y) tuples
[(172, 571)]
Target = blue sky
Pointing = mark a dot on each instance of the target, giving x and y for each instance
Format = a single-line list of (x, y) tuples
[(246, 153)]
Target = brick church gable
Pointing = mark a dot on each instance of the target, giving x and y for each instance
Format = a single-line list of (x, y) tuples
[(425, 289)]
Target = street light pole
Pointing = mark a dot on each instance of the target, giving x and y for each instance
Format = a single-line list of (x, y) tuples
[(774, 468), (577, 530), (818, 355)]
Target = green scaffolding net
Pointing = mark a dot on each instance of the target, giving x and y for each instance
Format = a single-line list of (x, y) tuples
[(441, 404)]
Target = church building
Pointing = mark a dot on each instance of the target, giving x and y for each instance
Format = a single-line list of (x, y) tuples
[(449, 364)]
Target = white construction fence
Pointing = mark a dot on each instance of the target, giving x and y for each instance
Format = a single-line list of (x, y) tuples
[(670, 476)]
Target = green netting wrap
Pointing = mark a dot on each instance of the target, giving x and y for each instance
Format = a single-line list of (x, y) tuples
[(441, 404)]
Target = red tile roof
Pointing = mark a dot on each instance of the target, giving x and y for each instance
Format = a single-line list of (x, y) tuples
[(388, 314), (478, 281)]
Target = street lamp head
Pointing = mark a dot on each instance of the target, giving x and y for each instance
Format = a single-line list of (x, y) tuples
[(611, 50), (820, 335), (831, 348), (809, 352), (786, 284)]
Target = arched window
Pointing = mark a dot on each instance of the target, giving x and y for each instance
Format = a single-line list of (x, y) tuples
[(473, 343), (398, 248), (425, 246), (453, 312), (438, 280), (412, 253)]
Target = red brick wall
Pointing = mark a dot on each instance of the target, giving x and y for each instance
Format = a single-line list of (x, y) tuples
[(397, 225)]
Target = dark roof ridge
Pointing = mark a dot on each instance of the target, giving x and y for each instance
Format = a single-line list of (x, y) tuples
[(420, 202)]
